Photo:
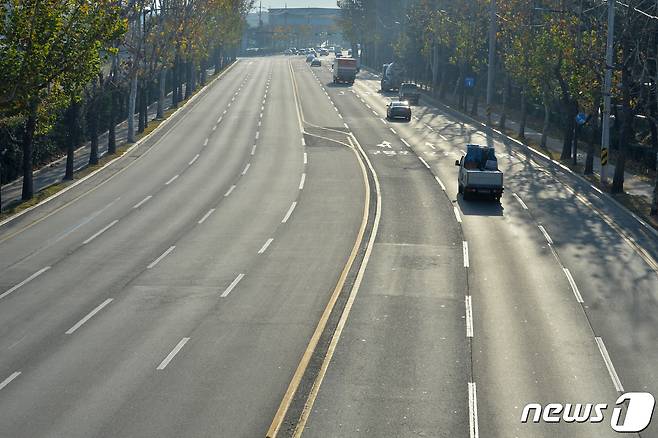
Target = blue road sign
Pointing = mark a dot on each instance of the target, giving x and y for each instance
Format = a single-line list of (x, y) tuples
[(469, 82), (581, 118)]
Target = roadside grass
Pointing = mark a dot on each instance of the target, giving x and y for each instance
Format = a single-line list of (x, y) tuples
[(16, 207)]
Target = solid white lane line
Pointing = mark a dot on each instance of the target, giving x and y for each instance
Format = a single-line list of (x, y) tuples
[(574, 286), (232, 285), (303, 142), (265, 245), (405, 142), (142, 202), (302, 181), (289, 213), (107, 227), (424, 162), (305, 158), (473, 411), (465, 251), (172, 180), (24, 282), (383, 121), (246, 168), (525, 207), (469, 317), (440, 183), (9, 379), (608, 364), (543, 231), (457, 215), (89, 316), (173, 354), (196, 157), (206, 216), (230, 190), (159, 259)]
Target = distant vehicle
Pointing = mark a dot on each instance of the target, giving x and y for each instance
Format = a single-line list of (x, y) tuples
[(287, 52), (310, 57), (344, 70), (324, 52), (479, 174), (398, 110), (391, 76), (302, 51), (338, 54), (409, 92), (316, 63), (349, 53)]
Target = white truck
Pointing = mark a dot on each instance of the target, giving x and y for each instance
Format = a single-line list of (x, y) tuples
[(479, 174), (344, 70)]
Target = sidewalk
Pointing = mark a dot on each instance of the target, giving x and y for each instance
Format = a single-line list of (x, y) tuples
[(633, 184)]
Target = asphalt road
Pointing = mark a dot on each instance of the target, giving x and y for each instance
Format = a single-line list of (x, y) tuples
[(277, 256)]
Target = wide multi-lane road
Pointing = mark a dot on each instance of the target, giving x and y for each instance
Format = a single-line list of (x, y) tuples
[(278, 259)]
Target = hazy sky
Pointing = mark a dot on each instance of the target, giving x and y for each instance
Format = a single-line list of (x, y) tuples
[(298, 3)]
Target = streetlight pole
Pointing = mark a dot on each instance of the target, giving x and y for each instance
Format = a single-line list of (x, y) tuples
[(607, 85), (492, 58)]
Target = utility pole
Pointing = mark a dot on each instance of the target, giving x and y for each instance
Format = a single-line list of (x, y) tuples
[(607, 86), (492, 57)]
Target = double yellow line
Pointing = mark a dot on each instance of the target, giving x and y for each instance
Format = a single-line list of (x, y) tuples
[(365, 165)]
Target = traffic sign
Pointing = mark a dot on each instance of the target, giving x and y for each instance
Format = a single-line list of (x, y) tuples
[(469, 82), (604, 157), (581, 118)]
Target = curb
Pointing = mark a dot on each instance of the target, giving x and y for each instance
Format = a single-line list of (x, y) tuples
[(161, 126)]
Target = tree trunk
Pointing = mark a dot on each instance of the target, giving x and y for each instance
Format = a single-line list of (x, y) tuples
[(161, 93), (547, 120), (476, 98), (595, 134), (131, 107), (571, 108), (503, 114), (524, 115), (620, 165), (72, 122), (654, 201), (115, 105), (92, 115), (28, 146)]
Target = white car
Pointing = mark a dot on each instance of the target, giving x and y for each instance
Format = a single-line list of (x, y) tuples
[(310, 57)]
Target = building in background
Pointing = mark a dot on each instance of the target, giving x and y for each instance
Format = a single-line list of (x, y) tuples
[(281, 28)]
